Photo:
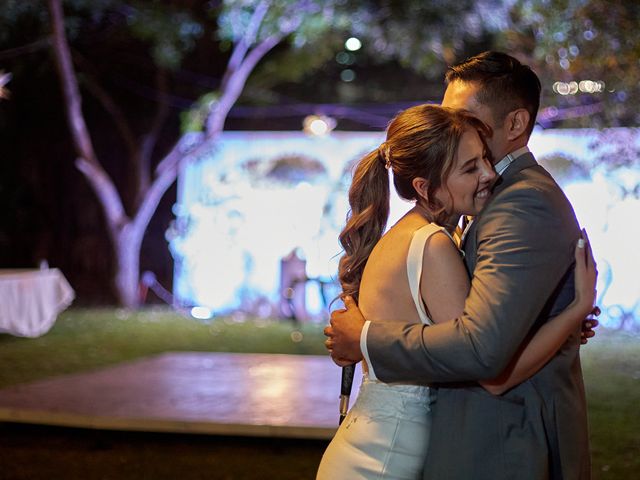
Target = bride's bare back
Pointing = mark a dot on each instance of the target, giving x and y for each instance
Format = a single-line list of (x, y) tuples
[(384, 290)]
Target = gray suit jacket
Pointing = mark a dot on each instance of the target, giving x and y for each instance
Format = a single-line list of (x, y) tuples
[(520, 253)]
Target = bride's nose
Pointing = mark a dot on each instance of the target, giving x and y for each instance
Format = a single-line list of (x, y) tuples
[(487, 173)]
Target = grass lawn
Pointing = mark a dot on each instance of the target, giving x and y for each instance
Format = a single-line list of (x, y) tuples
[(89, 339), (611, 366)]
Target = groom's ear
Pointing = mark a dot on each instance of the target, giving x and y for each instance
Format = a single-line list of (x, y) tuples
[(420, 185), (517, 122)]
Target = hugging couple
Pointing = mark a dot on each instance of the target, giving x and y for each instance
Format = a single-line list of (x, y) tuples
[(469, 339)]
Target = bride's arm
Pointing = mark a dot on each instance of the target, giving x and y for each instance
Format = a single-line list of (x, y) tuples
[(536, 352), (446, 286)]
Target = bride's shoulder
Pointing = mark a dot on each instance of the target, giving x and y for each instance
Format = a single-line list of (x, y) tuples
[(440, 242)]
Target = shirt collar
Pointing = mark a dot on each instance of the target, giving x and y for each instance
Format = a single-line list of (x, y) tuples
[(509, 158)]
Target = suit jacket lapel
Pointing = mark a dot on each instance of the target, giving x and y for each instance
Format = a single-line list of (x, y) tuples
[(524, 161)]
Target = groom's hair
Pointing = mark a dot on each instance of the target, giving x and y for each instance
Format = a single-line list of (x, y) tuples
[(505, 84)]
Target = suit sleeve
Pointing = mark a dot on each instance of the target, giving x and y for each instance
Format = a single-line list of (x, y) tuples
[(525, 248)]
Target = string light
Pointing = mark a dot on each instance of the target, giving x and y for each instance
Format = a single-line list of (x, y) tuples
[(318, 125), (583, 86)]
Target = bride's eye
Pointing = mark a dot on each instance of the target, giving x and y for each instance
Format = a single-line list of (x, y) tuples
[(472, 168)]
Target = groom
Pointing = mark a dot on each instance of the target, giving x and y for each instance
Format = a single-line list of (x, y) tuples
[(519, 251)]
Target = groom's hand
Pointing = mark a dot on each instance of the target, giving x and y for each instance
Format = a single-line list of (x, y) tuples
[(343, 334)]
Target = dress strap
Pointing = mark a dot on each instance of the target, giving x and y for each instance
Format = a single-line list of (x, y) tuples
[(414, 265)]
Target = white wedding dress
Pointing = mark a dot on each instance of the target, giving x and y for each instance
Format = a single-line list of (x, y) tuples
[(386, 433)]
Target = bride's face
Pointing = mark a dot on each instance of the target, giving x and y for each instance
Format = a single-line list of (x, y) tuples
[(469, 185)]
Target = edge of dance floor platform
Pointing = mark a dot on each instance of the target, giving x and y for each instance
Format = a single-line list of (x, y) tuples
[(258, 395), (161, 425)]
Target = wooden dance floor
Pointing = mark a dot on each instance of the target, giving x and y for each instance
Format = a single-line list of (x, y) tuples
[(190, 392)]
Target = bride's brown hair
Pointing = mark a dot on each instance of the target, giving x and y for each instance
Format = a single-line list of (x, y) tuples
[(422, 141)]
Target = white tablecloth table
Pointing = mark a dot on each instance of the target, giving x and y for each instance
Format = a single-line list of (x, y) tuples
[(30, 300)]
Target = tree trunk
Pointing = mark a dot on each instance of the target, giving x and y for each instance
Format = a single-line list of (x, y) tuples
[(127, 244)]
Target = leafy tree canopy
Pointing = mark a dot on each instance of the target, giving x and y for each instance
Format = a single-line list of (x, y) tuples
[(414, 37)]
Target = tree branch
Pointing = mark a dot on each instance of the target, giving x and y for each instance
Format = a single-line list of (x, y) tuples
[(150, 140), (132, 184), (232, 90), (192, 145), (107, 102), (106, 193), (183, 147), (166, 173), (87, 162), (245, 42), (153, 196), (71, 92), (28, 48)]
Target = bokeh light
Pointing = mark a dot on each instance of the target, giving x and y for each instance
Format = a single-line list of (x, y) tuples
[(347, 75), (353, 44)]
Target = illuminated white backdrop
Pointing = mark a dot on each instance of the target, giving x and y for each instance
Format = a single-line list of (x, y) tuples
[(261, 195)]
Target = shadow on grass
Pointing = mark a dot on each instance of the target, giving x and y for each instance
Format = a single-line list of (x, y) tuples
[(39, 453)]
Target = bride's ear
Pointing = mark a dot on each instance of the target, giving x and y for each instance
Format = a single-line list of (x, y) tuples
[(420, 185)]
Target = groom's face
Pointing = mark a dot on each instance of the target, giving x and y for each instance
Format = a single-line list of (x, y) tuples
[(463, 95)]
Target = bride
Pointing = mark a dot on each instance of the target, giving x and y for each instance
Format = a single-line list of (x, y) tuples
[(414, 271)]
